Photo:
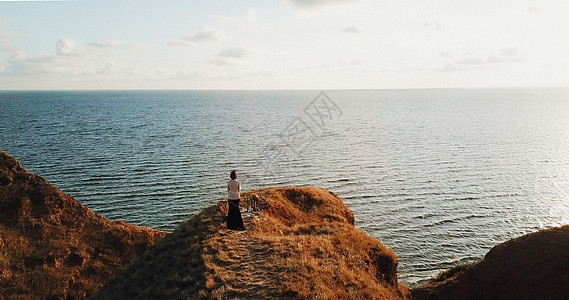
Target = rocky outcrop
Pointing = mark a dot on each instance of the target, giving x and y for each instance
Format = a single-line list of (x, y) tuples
[(301, 245), (51, 246), (534, 266)]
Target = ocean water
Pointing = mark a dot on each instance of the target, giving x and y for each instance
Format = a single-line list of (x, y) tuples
[(439, 176)]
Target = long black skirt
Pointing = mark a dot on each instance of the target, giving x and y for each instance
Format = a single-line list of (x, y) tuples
[(234, 219)]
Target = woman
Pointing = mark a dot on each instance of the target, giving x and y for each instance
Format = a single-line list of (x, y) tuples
[(234, 220)]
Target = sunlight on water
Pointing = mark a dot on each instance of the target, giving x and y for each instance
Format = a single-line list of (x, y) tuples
[(439, 176)]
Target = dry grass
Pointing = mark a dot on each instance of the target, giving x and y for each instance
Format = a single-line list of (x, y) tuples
[(174, 268), (53, 247), (533, 266), (301, 245), (317, 252)]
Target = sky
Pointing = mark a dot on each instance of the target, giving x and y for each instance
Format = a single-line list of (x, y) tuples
[(282, 44)]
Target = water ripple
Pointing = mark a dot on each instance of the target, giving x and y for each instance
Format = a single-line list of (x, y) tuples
[(440, 176)]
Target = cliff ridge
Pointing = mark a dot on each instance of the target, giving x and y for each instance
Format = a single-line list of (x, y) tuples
[(51, 246), (301, 245)]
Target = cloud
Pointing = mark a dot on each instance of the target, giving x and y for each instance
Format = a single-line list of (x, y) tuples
[(108, 68), (65, 47), (18, 56), (220, 62), (339, 63), (243, 22), (510, 53), (6, 45), (107, 44), (202, 36), (236, 52), (470, 61), (19, 63), (6, 39), (450, 68), (351, 29), (311, 4), (177, 75), (177, 43), (434, 26), (534, 10), (111, 44), (507, 55)]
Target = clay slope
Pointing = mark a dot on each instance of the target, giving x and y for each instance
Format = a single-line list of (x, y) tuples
[(52, 247), (534, 266), (302, 245)]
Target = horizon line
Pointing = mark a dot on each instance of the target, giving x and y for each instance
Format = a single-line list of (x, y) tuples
[(42, 0), (269, 89)]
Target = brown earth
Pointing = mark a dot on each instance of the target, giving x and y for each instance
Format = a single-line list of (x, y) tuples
[(301, 245), (52, 247), (534, 266)]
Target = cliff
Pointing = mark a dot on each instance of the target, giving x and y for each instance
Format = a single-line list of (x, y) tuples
[(52, 247), (534, 266), (301, 245)]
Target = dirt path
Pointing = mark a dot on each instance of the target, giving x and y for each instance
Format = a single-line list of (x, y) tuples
[(242, 263)]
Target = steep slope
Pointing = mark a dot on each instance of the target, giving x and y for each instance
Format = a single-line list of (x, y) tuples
[(53, 247), (302, 245), (534, 266)]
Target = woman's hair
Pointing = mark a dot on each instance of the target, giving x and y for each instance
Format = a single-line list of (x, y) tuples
[(233, 175)]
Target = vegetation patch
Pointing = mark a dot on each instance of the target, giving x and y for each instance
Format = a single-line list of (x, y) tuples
[(51, 246), (290, 250), (451, 272)]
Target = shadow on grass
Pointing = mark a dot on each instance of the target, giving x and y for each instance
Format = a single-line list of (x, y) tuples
[(174, 268)]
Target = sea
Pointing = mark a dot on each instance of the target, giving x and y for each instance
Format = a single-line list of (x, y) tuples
[(440, 176)]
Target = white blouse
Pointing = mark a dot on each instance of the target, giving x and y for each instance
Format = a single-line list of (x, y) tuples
[(233, 189)]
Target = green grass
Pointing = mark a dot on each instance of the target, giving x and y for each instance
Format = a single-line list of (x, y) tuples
[(446, 274)]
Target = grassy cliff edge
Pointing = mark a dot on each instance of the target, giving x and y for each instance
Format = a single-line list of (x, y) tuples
[(533, 266), (51, 246), (302, 245)]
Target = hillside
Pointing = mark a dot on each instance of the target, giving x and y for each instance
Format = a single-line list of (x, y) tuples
[(52, 247), (302, 245), (534, 266)]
